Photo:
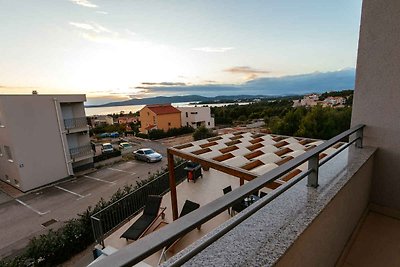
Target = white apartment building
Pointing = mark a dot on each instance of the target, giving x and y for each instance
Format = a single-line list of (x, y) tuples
[(101, 120), (196, 117), (43, 138)]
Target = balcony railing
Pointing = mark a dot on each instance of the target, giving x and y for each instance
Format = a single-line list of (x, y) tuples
[(81, 151), (118, 213), (152, 243), (75, 123)]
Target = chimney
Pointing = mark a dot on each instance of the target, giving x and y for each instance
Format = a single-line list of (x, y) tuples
[(34, 92)]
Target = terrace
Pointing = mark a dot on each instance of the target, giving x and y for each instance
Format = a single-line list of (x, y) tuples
[(244, 155), (350, 219)]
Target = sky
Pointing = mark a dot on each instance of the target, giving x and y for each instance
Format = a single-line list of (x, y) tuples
[(119, 49)]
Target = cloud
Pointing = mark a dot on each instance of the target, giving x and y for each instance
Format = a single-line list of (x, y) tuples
[(95, 32), (94, 27), (164, 84), (316, 82), (208, 49), (85, 3), (249, 72), (102, 12)]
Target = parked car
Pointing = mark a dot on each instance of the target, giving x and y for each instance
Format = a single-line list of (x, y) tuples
[(107, 148), (104, 135), (114, 135), (124, 145), (147, 154)]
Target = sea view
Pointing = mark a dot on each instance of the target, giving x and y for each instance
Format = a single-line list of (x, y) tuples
[(90, 111)]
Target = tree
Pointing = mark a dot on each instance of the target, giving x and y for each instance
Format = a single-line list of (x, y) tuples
[(203, 133)]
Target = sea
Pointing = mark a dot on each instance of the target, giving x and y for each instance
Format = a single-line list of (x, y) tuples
[(90, 111)]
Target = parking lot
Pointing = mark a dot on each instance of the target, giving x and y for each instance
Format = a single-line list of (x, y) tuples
[(36, 212)]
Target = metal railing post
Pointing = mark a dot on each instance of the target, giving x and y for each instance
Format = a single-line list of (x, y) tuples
[(102, 235), (312, 179), (359, 136)]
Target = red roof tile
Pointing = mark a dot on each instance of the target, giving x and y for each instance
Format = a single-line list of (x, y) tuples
[(163, 109), (151, 126)]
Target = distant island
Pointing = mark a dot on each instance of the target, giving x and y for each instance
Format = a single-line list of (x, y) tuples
[(194, 99)]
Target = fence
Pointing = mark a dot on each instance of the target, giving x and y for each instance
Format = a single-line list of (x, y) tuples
[(81, 151), (75, 123), (116, 214)]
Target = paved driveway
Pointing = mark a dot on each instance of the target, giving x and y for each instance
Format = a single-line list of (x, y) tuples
[(23, 217)]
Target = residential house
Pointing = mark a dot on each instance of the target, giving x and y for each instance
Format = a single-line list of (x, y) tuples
[(43, 138), (196, 117), (334, 101), (307, 101), (100, 120), (128, 119), (159, 117)]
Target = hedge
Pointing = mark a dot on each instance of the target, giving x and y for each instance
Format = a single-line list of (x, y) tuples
[(159, 133), (105, 156)]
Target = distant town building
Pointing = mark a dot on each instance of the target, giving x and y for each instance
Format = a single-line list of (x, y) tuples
[(334, 101), (196, 117), (159, 117), (128, 119), (100, 120), (307, 101), (43, 138), (313, 100)]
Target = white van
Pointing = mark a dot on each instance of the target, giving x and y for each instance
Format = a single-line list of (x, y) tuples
[(107, 148)]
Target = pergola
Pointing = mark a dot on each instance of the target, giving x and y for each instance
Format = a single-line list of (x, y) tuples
[(242, 155)]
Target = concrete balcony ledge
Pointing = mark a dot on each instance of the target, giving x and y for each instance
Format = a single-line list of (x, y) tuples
[(302, 227)]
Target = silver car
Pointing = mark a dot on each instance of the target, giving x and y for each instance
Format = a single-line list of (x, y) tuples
[(147, 154)]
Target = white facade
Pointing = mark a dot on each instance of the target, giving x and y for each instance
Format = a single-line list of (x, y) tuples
[(101, 120), (196, 117), (43, 138)]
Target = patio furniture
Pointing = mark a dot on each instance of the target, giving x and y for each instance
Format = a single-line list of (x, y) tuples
[(193, 171), (188, 207), (146, 221), (250, 200)]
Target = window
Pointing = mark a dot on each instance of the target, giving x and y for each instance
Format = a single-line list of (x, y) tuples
[(169, 124), (193, 112), (1, 152), (7, 178), (8, 153), (16, 183), (187, 115), (187, 123), (208, 123)]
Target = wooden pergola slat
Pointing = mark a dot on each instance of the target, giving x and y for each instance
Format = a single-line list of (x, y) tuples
[(205, 163)]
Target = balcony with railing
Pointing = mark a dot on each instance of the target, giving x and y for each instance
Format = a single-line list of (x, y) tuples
[(268, 231), (81, 152), (76, 125)]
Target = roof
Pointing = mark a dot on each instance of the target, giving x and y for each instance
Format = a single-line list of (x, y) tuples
[(255, 154), (163, 109)]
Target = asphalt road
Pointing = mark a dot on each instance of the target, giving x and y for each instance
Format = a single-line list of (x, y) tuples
[(22, 218)]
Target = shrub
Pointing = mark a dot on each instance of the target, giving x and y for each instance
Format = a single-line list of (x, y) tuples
[(202, 133), (105, 156), (142, 135)]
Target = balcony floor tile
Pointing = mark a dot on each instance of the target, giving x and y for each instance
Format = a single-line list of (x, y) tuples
[(377, 243)]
